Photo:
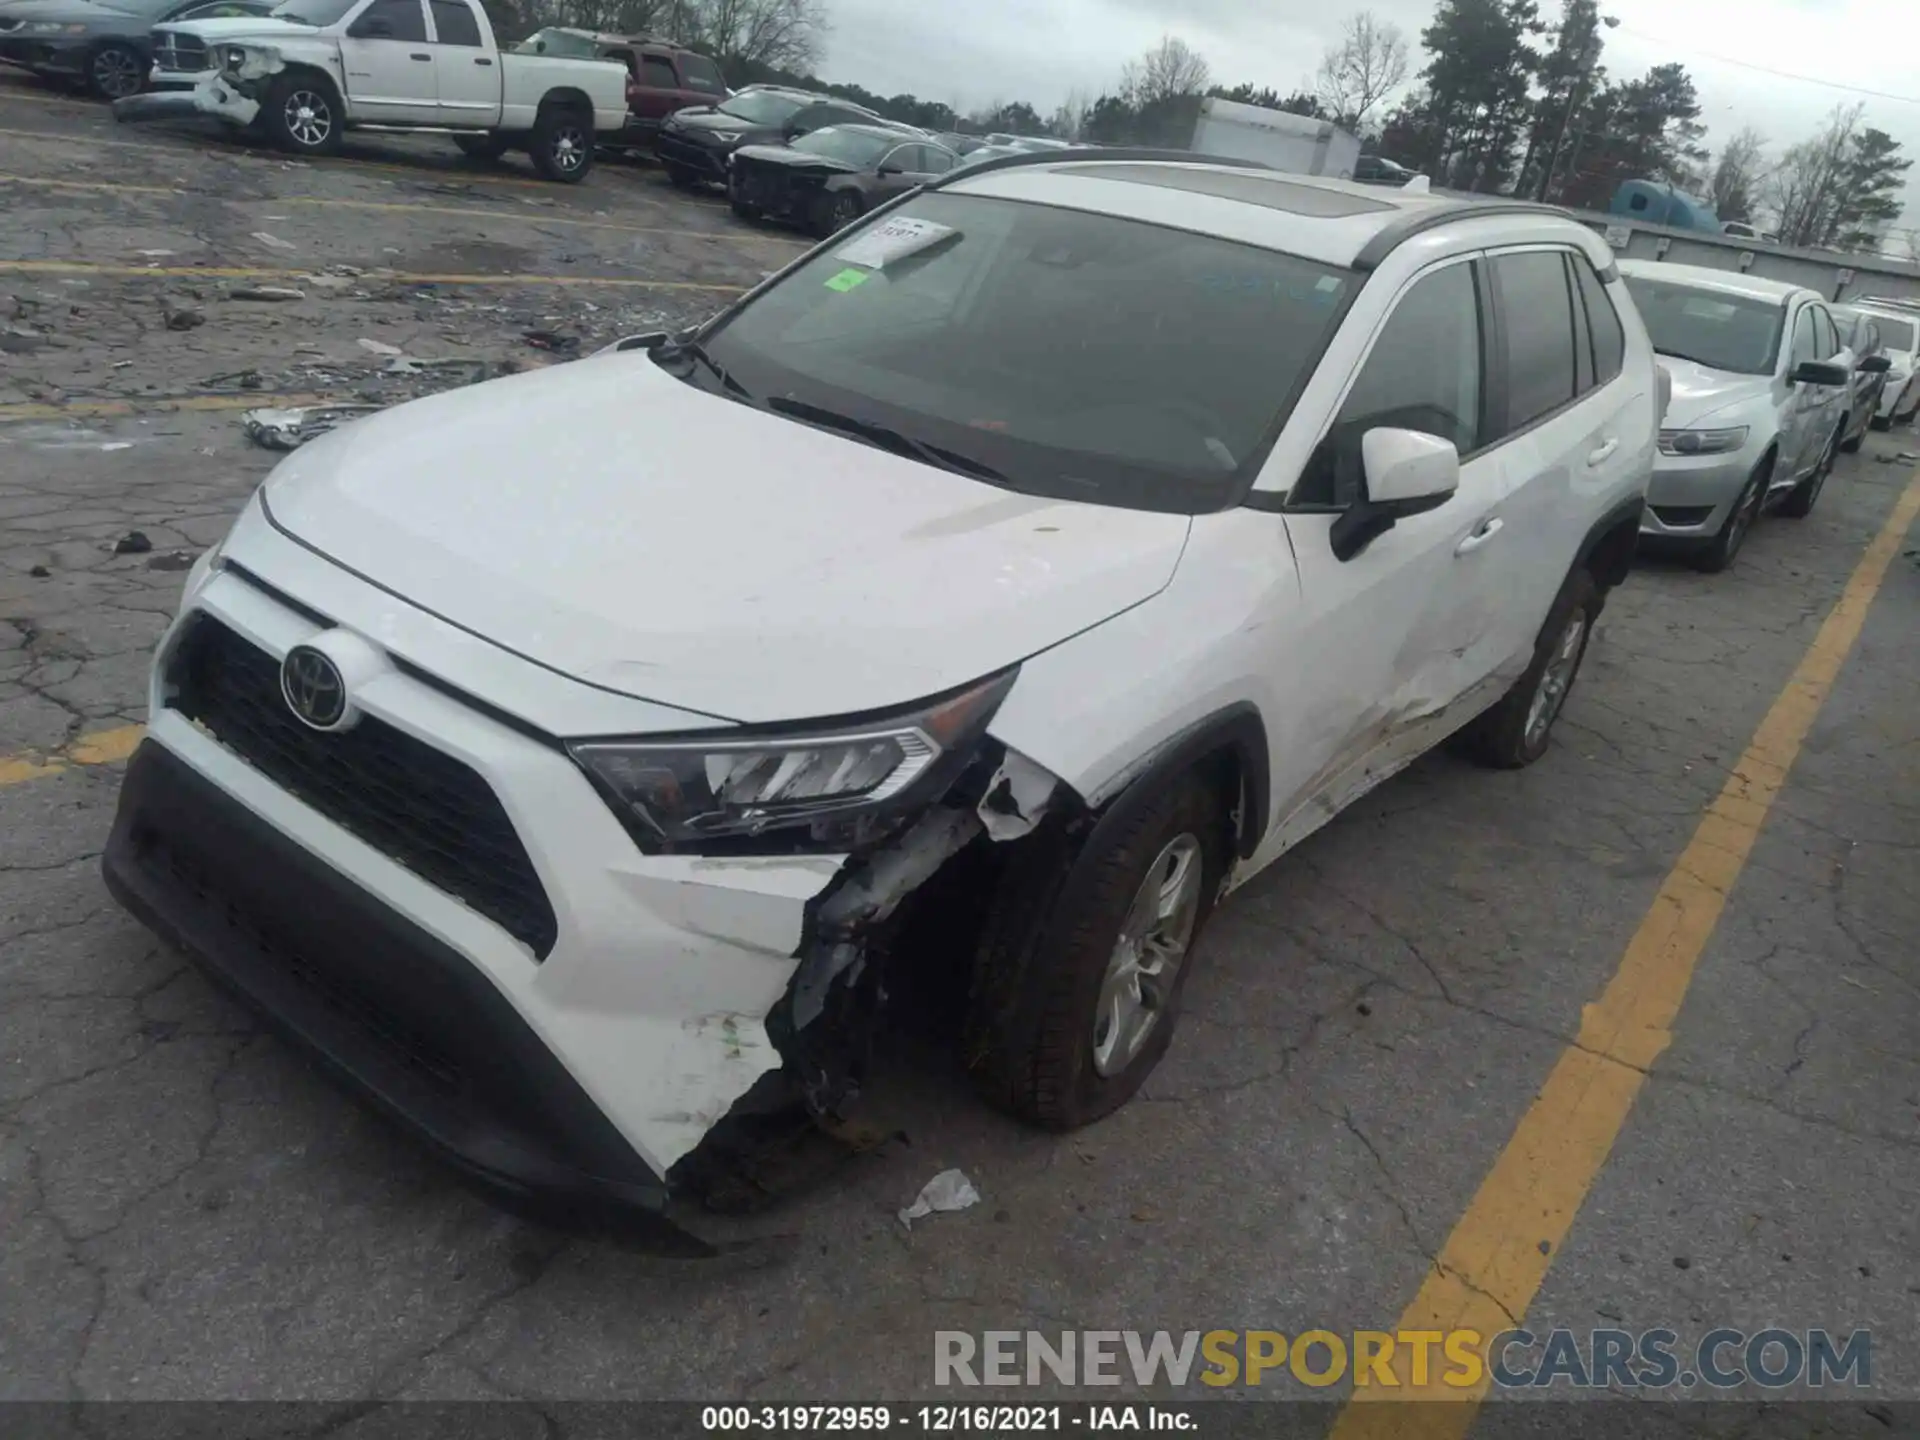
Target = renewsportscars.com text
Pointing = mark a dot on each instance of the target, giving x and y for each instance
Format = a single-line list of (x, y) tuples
[(1721, 1359)]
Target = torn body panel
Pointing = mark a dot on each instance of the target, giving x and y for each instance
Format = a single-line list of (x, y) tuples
[(233, 93)]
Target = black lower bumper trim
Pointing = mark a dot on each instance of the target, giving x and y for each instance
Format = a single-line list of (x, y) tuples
[(406, 1023)]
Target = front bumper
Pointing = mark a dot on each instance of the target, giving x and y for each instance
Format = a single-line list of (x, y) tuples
[(708, 162), (47, 55), (1689, 495), (586, 1063), (212, 97)]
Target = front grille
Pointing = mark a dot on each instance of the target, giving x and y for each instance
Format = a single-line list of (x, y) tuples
[(182, 53), (426, 810)]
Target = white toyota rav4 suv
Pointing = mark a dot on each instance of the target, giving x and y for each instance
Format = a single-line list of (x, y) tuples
[(575, 762)]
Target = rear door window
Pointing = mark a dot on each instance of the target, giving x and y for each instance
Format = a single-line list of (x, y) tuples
[(657, 74), (453, 22), (1536, 319)]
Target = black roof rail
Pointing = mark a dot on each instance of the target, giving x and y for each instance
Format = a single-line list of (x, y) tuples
[(1416, 220), (1095, 152)]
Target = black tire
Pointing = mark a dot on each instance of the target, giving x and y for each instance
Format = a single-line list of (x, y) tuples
[(1505, 737), (837, 210), (744, 210), (482, 147), (1882, 422), (1718, 552), (302, 114), (1033, 1011), (682, 178), (1800, 500), (1851, 445), (561, 147), (115, 71)]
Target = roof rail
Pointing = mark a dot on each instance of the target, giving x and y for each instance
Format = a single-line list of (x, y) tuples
[(1415, 221), (1118, 152)]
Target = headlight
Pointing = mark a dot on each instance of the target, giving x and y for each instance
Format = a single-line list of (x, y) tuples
[(236, 58), (830, 789), (1703, 442), (52, 27)]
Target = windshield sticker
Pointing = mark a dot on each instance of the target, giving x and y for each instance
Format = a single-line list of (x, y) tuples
[(892, 241), (1325, 291), (847, 279)]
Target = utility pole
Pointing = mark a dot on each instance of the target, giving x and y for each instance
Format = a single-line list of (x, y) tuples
[(1574, 102)]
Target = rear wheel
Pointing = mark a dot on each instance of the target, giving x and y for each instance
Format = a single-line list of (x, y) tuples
[(1720, 550), (302, 115), (115, 72), (562, 145), (1515, 732), (837, 211), (1852, 443), (1800, 500)]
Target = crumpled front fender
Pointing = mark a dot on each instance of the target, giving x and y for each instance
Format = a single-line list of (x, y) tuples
[(232, 94)]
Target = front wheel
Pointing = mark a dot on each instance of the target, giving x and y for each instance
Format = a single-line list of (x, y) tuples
[(562, 146), (115, 72), (744, 210), (302, 115), (1515, 732), (1076, 989), (836, 212), (1720, 551), (1800, 500)]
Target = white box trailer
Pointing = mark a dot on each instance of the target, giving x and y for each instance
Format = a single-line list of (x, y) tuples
[(1298, 144)]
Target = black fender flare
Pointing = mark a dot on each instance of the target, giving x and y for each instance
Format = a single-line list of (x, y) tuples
[(1612, 565), (1237, 729)]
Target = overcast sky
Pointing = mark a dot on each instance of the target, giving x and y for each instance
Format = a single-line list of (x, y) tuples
[(992, 51)]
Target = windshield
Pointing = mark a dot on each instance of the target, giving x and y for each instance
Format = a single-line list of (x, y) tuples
[(762, 107), (1735, 333), (1078, 355), (852, 146), (562, 44), (313, 12), (1895, 334)]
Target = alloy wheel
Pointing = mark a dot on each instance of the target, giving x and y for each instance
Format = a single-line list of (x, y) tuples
[(1556, 678), (117, 73), (309, 118), (569, 148), (1148, 954)]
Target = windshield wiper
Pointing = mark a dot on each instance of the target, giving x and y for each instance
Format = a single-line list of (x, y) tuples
[(884, 438), (695, 351)]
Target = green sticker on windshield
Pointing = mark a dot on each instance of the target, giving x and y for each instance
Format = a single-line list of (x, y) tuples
[(848, 279)]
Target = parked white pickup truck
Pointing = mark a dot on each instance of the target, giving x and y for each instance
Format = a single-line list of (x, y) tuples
[(313, 69)]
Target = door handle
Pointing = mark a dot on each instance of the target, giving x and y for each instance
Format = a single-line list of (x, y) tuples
[(1489, 528), (482, 60), (1599, 457), (427, 58)]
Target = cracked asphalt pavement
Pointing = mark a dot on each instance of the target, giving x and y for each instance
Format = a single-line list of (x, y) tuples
[(189, 1212)]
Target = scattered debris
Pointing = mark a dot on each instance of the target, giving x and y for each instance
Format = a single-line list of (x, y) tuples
[(121, 364), (1147, 1215), (134, 542), (19, 340), (172, 560), (40, 572), (948, 1191), (274, 242), (380, 347), (266, 292), (290, 428), (401, 365), (554, 341), (153, 254), (1906, 457), (183, 319)]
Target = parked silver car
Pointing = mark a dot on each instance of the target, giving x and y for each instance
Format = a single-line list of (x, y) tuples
[(1899, 328), (1761, 386)]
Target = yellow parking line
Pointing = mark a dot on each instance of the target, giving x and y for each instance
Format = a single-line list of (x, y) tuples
[(1493, 1263), (459, 212), (103, 747), (153, 405), (262, 272)]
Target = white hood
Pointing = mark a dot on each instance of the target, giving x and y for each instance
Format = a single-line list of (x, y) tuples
[(612, 522), (234, 29), (1698, 391)]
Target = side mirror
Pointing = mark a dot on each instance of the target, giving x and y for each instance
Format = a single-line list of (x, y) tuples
[(1876, 365), (886, 170), (1407, 472), (539, 46), (1820, 372)]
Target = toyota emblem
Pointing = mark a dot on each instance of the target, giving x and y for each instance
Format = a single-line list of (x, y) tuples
[(313, 688)]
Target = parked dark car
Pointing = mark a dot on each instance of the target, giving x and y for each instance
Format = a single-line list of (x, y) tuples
[(695, 144), (830, 178), (1378, 170), (959, 144), (106, 48), (1860, 333)]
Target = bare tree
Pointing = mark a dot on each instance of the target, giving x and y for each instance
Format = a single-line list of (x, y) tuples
[(1737, 171), (1804, 189), (1367, 64), (782, 33), (1170, 69), (1071, 118)]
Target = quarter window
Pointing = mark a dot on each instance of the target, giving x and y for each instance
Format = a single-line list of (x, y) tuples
[(1423, 373), (1536, 317), (453, 22), (1603, 322)]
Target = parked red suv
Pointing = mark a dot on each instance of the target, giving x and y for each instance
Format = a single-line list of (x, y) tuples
[(662, 77)]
